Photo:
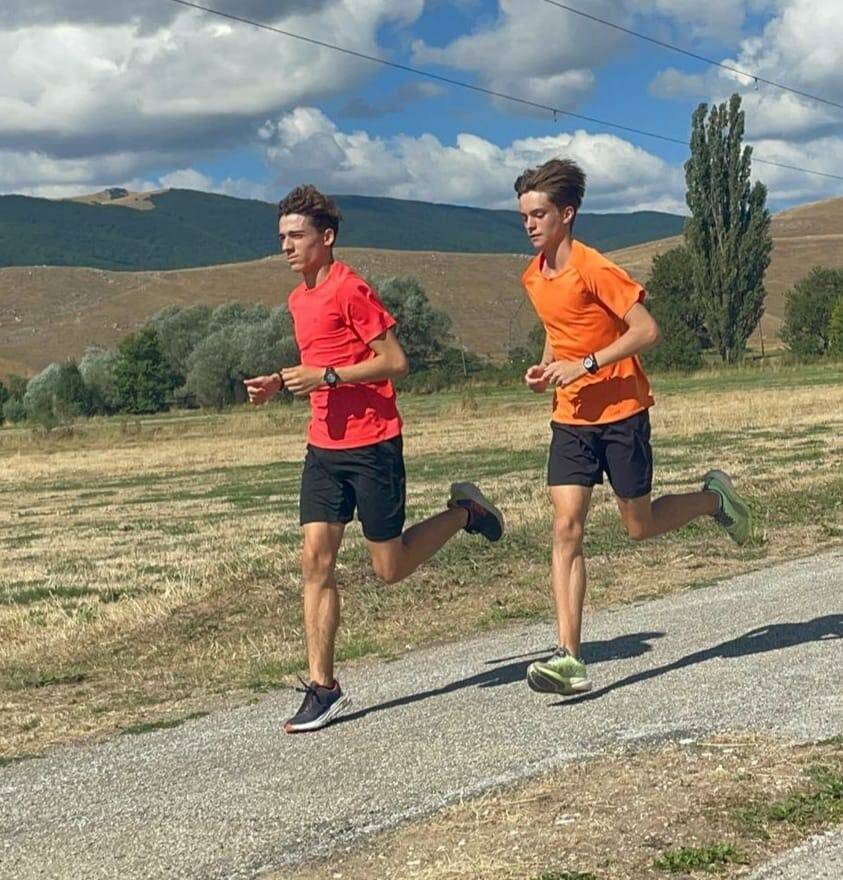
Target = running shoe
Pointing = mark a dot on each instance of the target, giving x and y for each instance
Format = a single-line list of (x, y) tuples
[(319, 707), (562, 673), (734, 514), (483, 517)]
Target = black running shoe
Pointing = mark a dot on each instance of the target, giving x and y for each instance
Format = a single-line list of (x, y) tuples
[(483, 517), (319, 707)]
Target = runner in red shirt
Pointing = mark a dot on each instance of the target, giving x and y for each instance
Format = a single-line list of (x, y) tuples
[(349, 357)]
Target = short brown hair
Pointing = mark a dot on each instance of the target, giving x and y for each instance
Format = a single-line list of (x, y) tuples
[(562, 180), (309, 202)]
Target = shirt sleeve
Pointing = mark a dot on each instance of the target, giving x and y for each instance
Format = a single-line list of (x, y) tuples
[(616, 290), (364, 312)]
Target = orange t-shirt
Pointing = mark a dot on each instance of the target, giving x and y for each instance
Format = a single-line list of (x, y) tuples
[(582, 310)]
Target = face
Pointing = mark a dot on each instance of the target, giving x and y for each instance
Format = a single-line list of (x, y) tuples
[(546, 224), (305, 247)]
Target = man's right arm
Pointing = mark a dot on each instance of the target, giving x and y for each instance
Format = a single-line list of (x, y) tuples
[(534, 377), (263, 388)]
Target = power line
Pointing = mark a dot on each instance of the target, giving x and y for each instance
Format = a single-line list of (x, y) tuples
[(556, 111), (664, 45)]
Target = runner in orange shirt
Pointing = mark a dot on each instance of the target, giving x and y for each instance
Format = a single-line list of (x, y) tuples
[(595, 326)]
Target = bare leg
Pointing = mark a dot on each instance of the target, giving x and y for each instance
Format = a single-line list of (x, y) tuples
[(645, 518), (570, 509), (394, 560), (321, 602)]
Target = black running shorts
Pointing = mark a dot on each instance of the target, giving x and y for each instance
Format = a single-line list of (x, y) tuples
[(368, 478), (579, 455)]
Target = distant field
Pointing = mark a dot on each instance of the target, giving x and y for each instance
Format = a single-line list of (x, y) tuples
[(49, 314), (151, 565), (804, 237)]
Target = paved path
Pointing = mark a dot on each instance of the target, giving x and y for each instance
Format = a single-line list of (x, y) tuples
[(819, 858), (228, 796)]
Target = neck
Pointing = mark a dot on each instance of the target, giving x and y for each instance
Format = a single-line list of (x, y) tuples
[(317, 275), (556, 256)]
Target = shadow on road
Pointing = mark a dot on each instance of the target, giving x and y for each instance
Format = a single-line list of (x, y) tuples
[(756, 641), (619, 648)]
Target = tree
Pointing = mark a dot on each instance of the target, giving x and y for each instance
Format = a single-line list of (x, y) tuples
[(55, 396), (424, 332), (809, 306), (835, 330), (234, 313), (17, 385), (13, 410), (672, 303), (728, 233), (143, 376), (98, 371), (179, 331), (222, 360)]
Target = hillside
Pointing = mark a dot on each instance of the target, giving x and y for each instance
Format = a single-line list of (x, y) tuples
[(803, 237), (49, 314), (179, 229)]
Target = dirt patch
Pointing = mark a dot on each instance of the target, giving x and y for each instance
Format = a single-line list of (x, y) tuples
[(678, 810)]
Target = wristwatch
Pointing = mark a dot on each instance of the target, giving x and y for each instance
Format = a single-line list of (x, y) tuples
[(590, 364), (331, 377)]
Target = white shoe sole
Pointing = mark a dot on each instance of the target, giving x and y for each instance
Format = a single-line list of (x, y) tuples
[(473, 493), (343, 703), (544, 684)]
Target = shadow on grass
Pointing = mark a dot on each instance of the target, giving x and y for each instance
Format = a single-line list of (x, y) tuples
[(620, 648), (757, 641)]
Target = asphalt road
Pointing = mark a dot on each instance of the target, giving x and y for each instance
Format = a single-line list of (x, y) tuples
[(230, 796)]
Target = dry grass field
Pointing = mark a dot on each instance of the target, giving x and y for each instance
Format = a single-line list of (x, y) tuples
[(150, 566), (49, 314), (691, 809)]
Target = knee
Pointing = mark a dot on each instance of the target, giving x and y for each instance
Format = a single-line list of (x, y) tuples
[(637, 530), (316, 567), (567, 533), (387, 569)]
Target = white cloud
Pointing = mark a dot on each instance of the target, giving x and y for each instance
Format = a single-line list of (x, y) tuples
[(75, 89), (538, 53), (306, 146), (673, 83)]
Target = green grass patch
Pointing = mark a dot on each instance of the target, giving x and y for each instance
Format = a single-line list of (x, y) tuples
[(566, 875), (31, 595), (699, 858), (27, 679), (355, 646), (8, 760), (504, 613), (165, 724), (272, 674), (821, 804)]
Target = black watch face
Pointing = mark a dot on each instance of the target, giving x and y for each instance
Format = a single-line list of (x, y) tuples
[(330, 377)]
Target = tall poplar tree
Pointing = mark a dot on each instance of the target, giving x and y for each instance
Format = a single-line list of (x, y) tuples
[(728, 234)]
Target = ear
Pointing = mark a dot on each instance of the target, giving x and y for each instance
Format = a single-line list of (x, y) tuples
[(329, 237), (568, 214)]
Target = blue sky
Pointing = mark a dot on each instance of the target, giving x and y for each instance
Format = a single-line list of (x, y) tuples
[(149, 94)]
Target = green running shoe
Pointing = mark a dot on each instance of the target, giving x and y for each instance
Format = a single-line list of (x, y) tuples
[(561, 673), (734, 514)]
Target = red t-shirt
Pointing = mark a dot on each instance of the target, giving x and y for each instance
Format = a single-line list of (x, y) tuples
[(334, 323)]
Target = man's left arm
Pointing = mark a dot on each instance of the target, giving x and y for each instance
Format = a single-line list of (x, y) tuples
[(389, 362)]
